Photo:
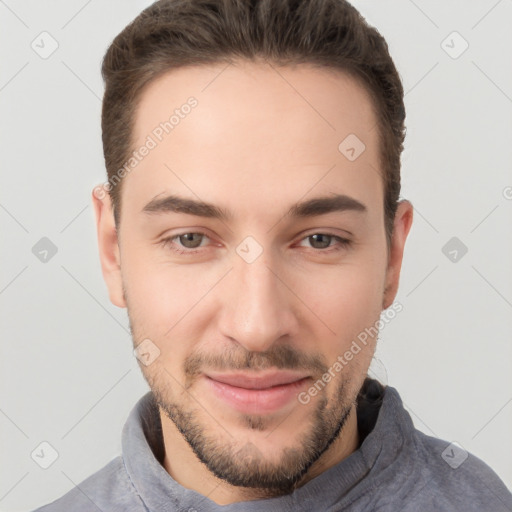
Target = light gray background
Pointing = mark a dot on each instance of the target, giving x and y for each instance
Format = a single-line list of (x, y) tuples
[(68, 374)]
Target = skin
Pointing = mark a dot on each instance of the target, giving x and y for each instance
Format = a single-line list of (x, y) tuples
[(254, 146)]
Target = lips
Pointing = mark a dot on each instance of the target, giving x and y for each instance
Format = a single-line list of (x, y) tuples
[(256, 392), (257, 381)]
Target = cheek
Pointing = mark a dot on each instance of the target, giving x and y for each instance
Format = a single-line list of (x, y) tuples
[(350, 287), (350, 307), (347, 299), (167, 304), (158, 290)]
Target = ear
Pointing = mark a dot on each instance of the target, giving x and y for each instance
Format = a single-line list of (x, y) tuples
[(108, 245), (402, 225)]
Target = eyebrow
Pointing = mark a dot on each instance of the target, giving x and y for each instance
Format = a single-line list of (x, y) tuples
[(309, 208)]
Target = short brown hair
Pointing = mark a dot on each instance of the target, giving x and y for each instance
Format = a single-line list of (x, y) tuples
[(174, 33)]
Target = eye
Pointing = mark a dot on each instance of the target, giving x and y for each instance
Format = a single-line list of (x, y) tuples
[(323, 241), (190, 243), (190, 240), (187, 241)]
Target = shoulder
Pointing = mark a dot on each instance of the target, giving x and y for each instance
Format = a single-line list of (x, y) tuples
[(415, 471), (454, 479), (108, 489)]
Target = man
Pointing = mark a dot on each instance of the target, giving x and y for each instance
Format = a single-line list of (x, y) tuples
[(252, 228)]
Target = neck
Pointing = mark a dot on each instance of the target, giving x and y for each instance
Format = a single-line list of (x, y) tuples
[(188, 471)]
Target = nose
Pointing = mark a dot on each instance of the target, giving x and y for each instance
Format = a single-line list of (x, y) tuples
[(257, 308)]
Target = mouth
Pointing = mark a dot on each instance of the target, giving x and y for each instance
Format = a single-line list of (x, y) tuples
[(256, 392)]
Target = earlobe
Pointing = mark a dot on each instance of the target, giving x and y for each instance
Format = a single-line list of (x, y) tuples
[(402, 226), (108, 245)]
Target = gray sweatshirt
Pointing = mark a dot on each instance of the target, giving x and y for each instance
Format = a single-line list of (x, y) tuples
[(396, 468)]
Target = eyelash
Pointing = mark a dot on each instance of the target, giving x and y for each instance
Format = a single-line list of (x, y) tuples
[(342, 242)]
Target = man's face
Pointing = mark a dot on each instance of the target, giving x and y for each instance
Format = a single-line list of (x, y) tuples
[(251, 309)]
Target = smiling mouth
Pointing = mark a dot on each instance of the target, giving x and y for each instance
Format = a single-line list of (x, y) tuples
[(256, 392), (259, 380)]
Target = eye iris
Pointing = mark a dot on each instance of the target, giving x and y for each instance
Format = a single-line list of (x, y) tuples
[(318, 238), (188, 240)]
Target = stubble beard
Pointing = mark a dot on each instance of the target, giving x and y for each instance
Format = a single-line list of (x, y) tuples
[(246, 466)]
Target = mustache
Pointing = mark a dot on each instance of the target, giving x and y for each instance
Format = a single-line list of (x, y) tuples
[(282, 357)]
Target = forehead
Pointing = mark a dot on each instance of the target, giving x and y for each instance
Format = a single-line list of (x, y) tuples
[(255, 127)]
